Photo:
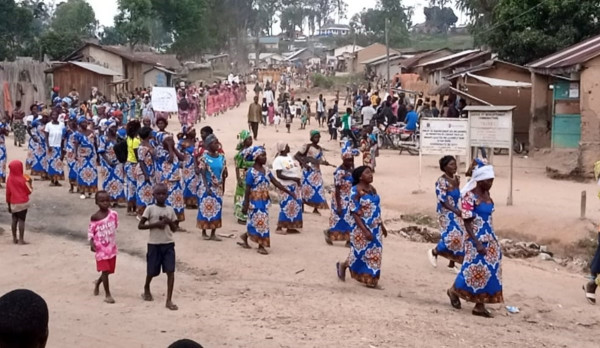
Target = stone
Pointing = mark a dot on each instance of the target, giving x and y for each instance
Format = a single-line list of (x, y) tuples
[(545, 257)]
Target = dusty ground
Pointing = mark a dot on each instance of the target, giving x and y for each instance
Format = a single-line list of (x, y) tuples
[(229, 297)]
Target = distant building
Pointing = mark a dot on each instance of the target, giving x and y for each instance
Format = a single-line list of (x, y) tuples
[(334, 30), (269, 43)]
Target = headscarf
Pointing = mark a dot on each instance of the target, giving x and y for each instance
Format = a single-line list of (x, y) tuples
[(251, 153), (348, 151), (357, 173), (313, 133), (481, 173), (81, 119), (209, 140), (280, 146), (16, 183), (242, 136), (122, 133)]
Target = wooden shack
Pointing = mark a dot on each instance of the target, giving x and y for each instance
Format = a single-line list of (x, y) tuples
[(82, 77)]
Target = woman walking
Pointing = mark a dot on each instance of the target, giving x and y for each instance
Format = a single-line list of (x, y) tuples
[(480, 277), (366, 247), (145, 172), (112, 170), (447, 190), (133, 143), (70, 153), (37, 143), (341, 221), (186, 146), (168, 159), (3, 134), (54, 133), (242, 164), (257, 201), (213, 172), (85, 152), (288, 172), (311, 158)]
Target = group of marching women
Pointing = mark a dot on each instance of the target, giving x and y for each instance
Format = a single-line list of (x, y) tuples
[(198, 102)]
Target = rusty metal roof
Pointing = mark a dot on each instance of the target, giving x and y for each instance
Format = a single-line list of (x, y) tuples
[(570, 56), (411, 62)]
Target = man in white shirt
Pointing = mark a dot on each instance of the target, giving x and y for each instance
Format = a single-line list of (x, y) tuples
[(367, 114), (320, 110), (268, 94)]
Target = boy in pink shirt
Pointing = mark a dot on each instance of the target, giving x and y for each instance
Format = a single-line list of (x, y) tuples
[(103, 241)]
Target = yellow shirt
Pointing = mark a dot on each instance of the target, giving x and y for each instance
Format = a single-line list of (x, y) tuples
[(132, 145), (374, 100)]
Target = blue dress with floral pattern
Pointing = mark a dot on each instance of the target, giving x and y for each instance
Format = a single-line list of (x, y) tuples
[(341, 225), (451, 244), (39, 160), (170, 175), (113, 173), (365, 256), (313, 193), (87, 172), (210, 199), (480, 278), (259, 203), (2, 152)]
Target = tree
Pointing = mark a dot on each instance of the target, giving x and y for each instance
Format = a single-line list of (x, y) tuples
[(133, 21), (112, 36), (440, 18), (265, 15), (521, 31), (371, 22), (16, 30)]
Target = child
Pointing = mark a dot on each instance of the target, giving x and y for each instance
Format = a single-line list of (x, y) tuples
[(333, 124), (265, 111), (277, 119), (102, 233), (304, 118), (18, 189), (271, 113), (161, 247)]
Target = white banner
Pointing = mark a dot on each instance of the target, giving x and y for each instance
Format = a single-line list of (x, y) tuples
[(444, 136), (164, 99), (491, 129)]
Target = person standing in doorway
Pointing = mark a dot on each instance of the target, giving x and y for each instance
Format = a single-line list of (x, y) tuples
[(254, 117)]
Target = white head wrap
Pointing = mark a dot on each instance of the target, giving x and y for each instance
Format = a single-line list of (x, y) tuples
[(479, 174)]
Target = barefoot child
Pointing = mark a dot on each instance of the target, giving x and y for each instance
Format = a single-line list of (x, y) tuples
[(18, 189), (161, 220), (102, 234)]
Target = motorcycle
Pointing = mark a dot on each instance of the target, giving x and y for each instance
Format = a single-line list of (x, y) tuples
[(395, 137)]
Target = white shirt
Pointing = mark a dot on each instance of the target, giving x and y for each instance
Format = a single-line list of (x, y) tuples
[(320, 106), (269, 96), (367, 113), (288, 166), (55, 133)]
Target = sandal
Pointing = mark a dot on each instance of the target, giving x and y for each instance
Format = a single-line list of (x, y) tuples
[(327, 238), (262, 251), (589, 296), (485, 313), (341, 276), (244, 245), (454, 300)]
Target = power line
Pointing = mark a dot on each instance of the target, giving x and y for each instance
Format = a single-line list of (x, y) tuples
[(516, 17)]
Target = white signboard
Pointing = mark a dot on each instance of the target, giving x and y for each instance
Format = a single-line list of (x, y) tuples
[(444, 136), (491, 129), (164, 99)]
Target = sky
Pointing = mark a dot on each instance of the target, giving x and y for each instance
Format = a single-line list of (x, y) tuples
[(107, 9)]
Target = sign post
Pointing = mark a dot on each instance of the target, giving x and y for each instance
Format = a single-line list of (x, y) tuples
[(492, 127), (443, 136)]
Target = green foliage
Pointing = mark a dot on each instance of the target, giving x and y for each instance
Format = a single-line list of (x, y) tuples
[(133, 21), (75, 16), (112, 36), (370, 23), (16, 30), (322, 81), (58, 45), (440, 18), (521, 31)]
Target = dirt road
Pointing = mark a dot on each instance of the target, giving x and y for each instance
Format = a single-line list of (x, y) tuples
[(230, 297)]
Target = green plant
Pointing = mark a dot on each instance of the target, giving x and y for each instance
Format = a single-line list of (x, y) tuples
[(322, 81)]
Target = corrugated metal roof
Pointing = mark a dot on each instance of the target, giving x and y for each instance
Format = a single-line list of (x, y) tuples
[(466, 59), (382, 57), (570, 56), (95, 68), (499, 82), (446, 58), (410, 62)]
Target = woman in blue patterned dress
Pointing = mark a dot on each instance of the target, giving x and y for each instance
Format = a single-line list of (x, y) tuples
[(70, 153), (145, 171), (213, 172), (113, 173), (241, 168), (186, 146), (169, 162), (85, 152), (37, 143), (480, 277), (447, 190), (311, 158), (54, 133), (287, 170), (366, 247), (341, 221), (3, 134), (257, 201)]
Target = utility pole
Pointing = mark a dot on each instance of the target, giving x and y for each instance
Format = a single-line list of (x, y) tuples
[(387, 47)]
